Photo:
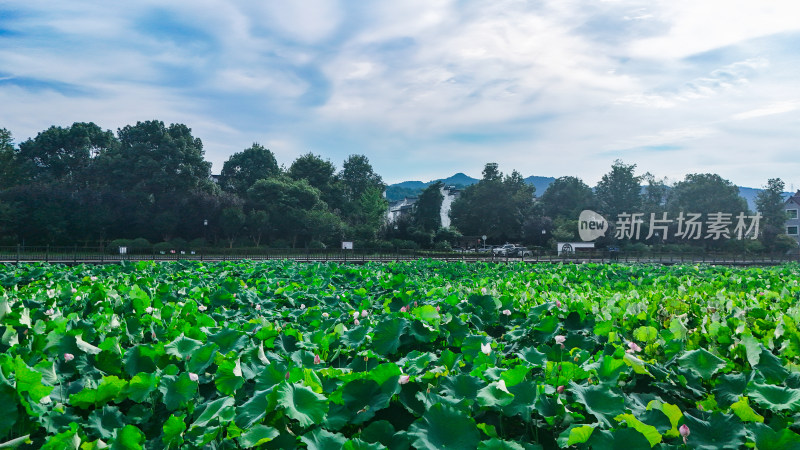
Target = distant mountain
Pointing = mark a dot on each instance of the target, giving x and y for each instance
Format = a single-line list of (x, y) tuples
[(405, 189)]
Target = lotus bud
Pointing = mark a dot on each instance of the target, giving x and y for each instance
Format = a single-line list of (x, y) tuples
[(507, 312), (684, 431), (364, 313), (486, 348), (403, 379), (193, 376), (560, 389), (68, 356), (317, 359)]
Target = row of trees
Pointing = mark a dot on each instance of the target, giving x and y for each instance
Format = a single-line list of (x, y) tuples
[(151, 181), (505, 209), (82, 184)]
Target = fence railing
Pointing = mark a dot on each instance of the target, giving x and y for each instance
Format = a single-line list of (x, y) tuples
[(79, 254)]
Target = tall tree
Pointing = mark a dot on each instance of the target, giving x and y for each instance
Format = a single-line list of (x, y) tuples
[(427, 210), (715, 199), (320, 174), (64, 153), (770, 204), (287, 203), (243, 169), (358, 176), (495, 207), (566, 197), (620, 191), (158, 161), (9, 170)]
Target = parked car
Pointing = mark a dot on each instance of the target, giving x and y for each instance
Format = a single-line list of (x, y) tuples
[(503, 251), (519, 252)]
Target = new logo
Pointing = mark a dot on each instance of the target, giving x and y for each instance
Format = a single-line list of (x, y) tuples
[(591, 225)]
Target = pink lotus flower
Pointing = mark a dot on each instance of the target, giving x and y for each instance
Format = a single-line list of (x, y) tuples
[(558, 303), (403, 309), (560, 389), (560, 340), (50, 312), (149, 310), (486, 349), (364, 313), (202, 308), (684, 431), (193, 376), (507, 312), (355, 315), (325, 315), (437, 308), (68, 356), (403, 379), (356, 322), (258, 307), (302, 306), (317, 359), (633, 347)]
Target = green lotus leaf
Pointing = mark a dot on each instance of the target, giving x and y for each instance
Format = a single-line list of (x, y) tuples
[(358, 444), (622, 438), (648, 431), (177, 390), (182, 347), (129, 438), (173, 430), (229, 376), (386, 335), (302, 404), (105, 422), (769, 439), (320, 439), (702, 361), (745, 413), (714, 430), (140, 386), (575, 434), (444, 427), (218, 411), (492, 396), (257, 435), (776, 398), (602, 401), (497, 444), (254, 409)]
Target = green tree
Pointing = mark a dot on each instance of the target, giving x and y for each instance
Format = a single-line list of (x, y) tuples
[(287, 202), (157, 161), (232, 222), (655, 196), (619, 191), (495, 206), (566, 197), (370, 212), (257, 225), (770, 204), (427, 210), (705, 194), (320, 174), (358, 176), (64, 153), (9, 168), (243, 169)]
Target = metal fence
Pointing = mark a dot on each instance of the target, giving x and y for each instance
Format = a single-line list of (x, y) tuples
[(78, 254)]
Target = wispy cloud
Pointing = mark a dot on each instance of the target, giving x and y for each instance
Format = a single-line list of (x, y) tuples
[(424, 88)]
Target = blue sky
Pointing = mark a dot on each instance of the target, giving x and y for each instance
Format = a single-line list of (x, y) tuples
[(427, 88)]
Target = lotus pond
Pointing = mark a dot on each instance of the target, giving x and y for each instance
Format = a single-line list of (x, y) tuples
[(423, 355)]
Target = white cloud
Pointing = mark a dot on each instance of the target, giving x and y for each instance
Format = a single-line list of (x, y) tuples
[(769, 110)]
